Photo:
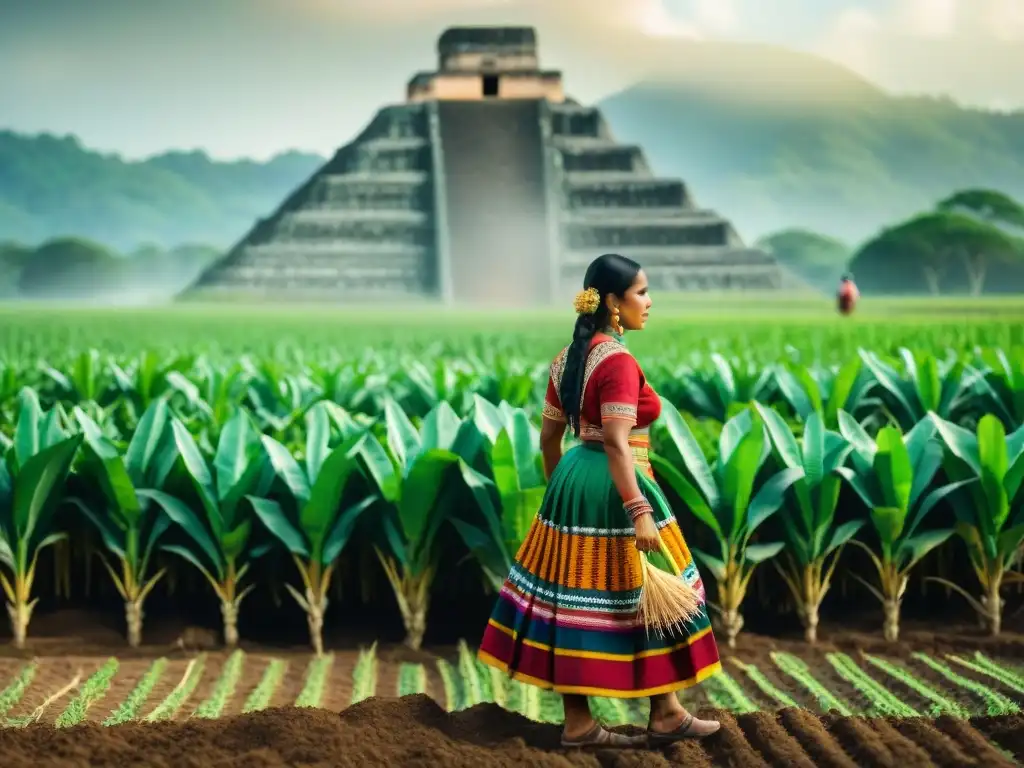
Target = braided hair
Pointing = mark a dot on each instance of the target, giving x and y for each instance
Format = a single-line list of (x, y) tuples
[(608, 274)]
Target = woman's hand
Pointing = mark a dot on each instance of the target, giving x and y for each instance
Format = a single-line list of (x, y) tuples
[(647, 539)]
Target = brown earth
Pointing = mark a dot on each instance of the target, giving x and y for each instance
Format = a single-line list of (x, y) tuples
[(416, 731)]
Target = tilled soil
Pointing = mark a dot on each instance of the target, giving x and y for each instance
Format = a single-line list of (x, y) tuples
[(415, 731)]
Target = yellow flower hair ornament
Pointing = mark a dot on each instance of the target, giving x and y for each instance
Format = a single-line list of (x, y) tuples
[(587, 301)]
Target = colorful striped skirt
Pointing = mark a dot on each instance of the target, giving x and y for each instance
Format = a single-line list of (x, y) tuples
[(566, 617)]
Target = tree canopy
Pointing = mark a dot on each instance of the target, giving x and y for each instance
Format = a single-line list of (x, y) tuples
[(942, 251)]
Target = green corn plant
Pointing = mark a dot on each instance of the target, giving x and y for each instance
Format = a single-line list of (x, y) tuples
[(515, 464), (86, 383), (205, 399), (427, 481), (716, 394), (814, 540), (327, 500), (279, 399), (32, 476), (989, 509), (825, 391), (128, 523), (217, 543), (722, 496), (1001, 391), (890, 474), (143, 379), (928, 384)]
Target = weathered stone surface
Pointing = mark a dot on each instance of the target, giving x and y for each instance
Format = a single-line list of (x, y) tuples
[(488, 186)]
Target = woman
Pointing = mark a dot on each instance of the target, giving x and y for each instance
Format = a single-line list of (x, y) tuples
[(847, 295), (566, 618)]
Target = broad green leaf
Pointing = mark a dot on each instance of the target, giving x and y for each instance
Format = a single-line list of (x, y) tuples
[(892, 466), (344, 525), (758, 553), (842, 534), (693, 458), (888, 522), (186, 519), (740, 473), (994, 464), (733, 432), (420, 491), (287, 469), (38, 485), (233, 450), (26, 432), (782, 437), (148, 441), (842, 389), (197, 468), (377, 463), (318, 440), (440, 427), (959, 441), (403, 439), (913, 548), (854, 433), (109, 469), (274, 520), (814, 449), (317, 515), (770, 496), (688, 493)]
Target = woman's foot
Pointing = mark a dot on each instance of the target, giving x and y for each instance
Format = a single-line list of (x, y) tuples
[(679, 725), (599, 736)]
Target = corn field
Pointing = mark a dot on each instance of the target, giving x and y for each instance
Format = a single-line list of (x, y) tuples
[(785, 464)]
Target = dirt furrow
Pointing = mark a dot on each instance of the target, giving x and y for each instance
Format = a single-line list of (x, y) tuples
[(860, 741), (729, 746), (905, 752), (338, 690), (1006, 731), (51, 678), (816, 741), (974, 742), (943, 751), (772, 741)]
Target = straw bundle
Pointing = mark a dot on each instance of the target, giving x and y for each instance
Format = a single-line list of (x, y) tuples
[(667, 602)]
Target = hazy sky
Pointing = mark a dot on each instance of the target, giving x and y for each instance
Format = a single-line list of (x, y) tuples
[(254, 77)]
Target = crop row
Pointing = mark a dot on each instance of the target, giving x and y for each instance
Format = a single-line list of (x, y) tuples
[(873, 385), (769, 491), (871, 686)]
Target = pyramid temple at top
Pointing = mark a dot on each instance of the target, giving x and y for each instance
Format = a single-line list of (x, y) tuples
[(487, 186)]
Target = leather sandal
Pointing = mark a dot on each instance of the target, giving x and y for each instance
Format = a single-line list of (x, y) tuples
[(602, 738), (684, 730)]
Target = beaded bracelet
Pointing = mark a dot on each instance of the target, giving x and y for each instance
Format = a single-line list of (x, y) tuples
[(637, 508)]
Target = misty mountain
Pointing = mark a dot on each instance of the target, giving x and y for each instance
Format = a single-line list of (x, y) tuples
[(775, 139), (52, 186), (772, 139)]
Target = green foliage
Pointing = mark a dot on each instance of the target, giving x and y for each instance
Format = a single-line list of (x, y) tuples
[(939, 252), (53, 185), (817, 258)]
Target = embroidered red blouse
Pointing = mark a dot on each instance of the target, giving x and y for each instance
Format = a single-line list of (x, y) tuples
[(614, 387)]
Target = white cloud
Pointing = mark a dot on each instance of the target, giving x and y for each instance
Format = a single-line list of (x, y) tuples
[(719, 17), (927, 18)]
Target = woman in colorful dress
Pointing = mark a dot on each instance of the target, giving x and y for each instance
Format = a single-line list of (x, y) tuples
[(566, 618)]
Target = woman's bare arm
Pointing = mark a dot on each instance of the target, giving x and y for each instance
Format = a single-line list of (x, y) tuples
[(620, 457), (551, 434)]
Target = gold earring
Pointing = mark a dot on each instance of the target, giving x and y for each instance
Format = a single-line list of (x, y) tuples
[(615, 321)]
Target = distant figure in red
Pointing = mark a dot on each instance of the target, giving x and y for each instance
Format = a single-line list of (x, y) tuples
[(847, 295)]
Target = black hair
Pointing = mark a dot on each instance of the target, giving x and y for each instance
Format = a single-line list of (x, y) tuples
[(607, 274)]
